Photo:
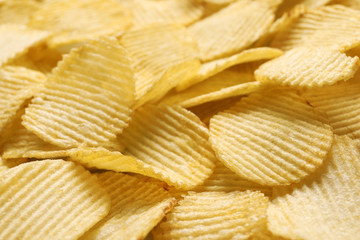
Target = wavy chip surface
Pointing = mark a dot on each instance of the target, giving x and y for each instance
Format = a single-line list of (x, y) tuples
[(50, 199), (215, 215), (308, 67), (272, 138), (325, 205), (17, 12), (88, 98), (245, 21), (136, 207)]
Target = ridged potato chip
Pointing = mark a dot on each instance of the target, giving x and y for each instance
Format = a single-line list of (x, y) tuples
[(18, 11), (72, 21), (162, 55), (210, 69), (88, 98), (16, 39), (272, 138), (215, 215), (322, 27), (137, 206), (51, 199), (246, 21), (355, 4), (308, 67), (7, 164), (325, 205), (288, 6)]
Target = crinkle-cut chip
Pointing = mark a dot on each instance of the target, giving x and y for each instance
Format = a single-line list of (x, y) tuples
[(288, 6), (162, 55), (16, 85), (246, 21), (136, 207), (171, 11), (341, 104), (308, 67), (225, 180), (322, 27), (51, 199), (325, 205), (18, 11), (211, 68), (16, 39), (88, 98), (7, 164), (72, 21), (272, 138), (215, 215), (355, 4), (223, 85)]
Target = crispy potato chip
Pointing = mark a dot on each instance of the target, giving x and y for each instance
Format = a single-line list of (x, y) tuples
[(16, 40), (163, 55), (18, 11), (308, 67), (212, 68), (73, 21), (288, 6), (325, 205), (272, 138), (322, 27), (137, 206), (215, 215), (341, 104), (16, 85), (49, 199), (245, 22), (355, 4), (88, 98), (7, 164)]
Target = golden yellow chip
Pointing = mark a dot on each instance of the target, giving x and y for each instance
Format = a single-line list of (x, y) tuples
[(355, 4), (51, 199), (246, 21), (7, 164), (341, 104), (162, 55), (136, 207), (16, 39), (322, 27), (288, 6), (215, 215), (272, 138), (325, 205), (88, 98), (18, 11), (72, 21), (212, 68), (308, 67)]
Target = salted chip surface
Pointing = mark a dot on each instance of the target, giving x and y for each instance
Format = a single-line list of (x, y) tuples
[(215, 215), (325, 205), (355, 4), (16, 39), (18, 11), (7, 164), (245, 21), (211, 68), (308, 67), (72, 21), (88, 98), (341, 104), (322, 27), (162, 55), (272, 138), (136, 207), (49, 199)]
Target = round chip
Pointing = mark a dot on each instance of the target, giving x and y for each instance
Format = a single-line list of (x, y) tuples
[(272, 138)]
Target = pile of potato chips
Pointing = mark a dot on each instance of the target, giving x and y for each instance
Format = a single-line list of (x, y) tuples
[(179, 119)]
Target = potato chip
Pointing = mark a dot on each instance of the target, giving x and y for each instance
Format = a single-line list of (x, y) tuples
[(7, 164), (49, 199), (341, 104), (215, 215), (288, 6), (211, 68), (308, 67), (355, 4), (271, 138), (16, 40), (88, 98), (18, 11), (322, 27), (325, 205), (137, 206), (246, 21), (73, 21), (171, 11), (163, 55)]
